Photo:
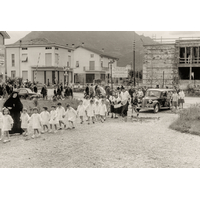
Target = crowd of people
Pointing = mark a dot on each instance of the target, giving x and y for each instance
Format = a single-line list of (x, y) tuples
[(98, 103)]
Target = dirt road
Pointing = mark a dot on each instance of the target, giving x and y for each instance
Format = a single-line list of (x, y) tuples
[(111, 144)]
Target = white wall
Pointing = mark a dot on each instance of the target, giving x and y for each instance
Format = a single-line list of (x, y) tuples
[(33, 57), (84, 57)]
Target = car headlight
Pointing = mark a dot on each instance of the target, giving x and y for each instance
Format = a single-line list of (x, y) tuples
[(150, 101)]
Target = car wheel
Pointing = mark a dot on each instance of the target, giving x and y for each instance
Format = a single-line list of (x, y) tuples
[(156, 108)]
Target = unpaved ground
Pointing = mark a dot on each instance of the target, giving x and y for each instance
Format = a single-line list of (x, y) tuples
[(112, 144)]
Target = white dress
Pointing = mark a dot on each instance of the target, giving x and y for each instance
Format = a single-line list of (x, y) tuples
[(70, 115), (45, 116), (24, 119), (1, 120), (60, 112), (97, 110), (103, 109), (81, 110), (36, 121), (86, 103), (7, 123), (53, 117), (90, 110)]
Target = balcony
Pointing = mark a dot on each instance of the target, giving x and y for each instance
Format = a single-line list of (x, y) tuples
[(189, 61)]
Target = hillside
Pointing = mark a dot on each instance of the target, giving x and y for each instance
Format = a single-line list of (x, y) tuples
[(116, 43)]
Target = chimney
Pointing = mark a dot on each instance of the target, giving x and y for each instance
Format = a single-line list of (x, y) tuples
[(82, 44), (102, 50), (72, 45)]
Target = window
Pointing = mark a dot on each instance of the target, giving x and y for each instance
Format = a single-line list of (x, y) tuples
[(69, 50), (13, 60), (103, 77), (184, 73), (13, 74), (92, 65), (56, 59), (25, 75), (24, 48), (24, 57), (69, 61), (92, 55), (101, 63), (48, 59), (77, 63), (48, 47), (56, 48)]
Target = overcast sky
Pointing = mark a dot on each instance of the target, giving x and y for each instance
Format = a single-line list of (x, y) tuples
[(16, 35)]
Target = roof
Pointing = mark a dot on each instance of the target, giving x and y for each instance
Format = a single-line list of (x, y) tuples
[(5, 34), (101, 53), (42, 42)]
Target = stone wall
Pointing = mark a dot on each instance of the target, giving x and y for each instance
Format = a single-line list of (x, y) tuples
[(159, 66)]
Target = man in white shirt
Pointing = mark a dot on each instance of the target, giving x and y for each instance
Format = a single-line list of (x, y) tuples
[(124, 98)]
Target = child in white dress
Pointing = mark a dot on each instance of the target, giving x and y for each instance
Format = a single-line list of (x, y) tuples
[(70, 116), (53, 119), (36, 122), (81, 111), (1, 125), (7, 125), (103, 110), (97, 110), (24, 121), (45, 116), (90, 112), (60, 112)]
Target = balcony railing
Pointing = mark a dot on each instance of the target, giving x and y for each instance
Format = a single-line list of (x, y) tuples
[(189, 60)]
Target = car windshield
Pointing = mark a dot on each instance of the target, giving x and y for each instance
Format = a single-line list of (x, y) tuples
[(153, 93)]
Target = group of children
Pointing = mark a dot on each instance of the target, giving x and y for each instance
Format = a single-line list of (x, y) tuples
[(38, 123)]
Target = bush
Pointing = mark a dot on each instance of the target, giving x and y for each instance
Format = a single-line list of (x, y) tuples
[(187, 118)]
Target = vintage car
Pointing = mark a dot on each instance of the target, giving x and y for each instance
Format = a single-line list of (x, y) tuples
[(157, 99), (26, 93)]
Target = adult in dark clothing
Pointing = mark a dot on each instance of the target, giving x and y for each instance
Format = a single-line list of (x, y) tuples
[(1, 90), (59, 93), (35, 89), (87, 90), (8, 89), (15, 106), (44, 92), (68, 93)]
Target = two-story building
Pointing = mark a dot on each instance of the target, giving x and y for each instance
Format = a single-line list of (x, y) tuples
[(40, 60), (3, 35), (92, 64)]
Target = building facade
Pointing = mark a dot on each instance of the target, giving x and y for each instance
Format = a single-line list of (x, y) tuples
[(3, 36), (92, 64), (167, 64), (41, 61)]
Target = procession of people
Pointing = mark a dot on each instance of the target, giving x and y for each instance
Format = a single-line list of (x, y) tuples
[(98, 103)]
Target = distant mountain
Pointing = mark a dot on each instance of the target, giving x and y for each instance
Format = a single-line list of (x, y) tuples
[(116, 43)]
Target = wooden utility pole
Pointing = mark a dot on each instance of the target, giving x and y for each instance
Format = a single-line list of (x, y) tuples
[(134, 59)]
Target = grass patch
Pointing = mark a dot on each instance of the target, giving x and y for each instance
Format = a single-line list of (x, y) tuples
[(188, 121)]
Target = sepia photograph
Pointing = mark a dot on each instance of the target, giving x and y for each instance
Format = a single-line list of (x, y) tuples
[(100, 99)]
